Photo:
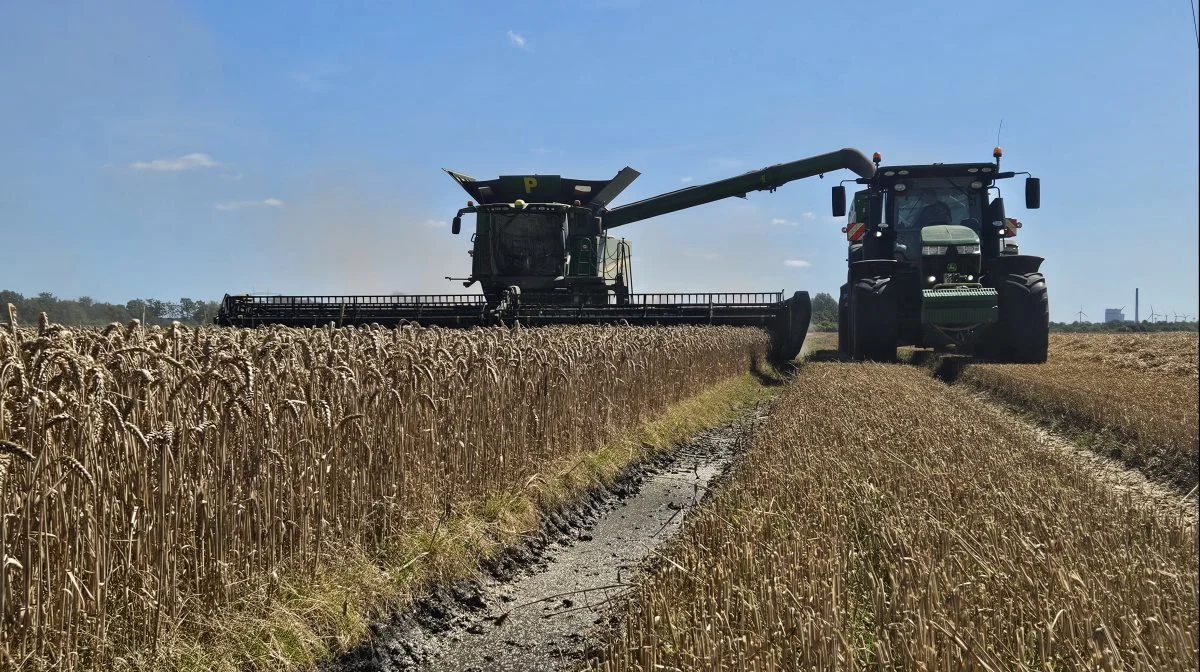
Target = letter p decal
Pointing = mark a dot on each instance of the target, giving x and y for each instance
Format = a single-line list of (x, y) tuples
[(530, 183)]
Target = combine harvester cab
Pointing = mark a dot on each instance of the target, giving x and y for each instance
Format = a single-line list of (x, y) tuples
[(931, 263), (542, 254)]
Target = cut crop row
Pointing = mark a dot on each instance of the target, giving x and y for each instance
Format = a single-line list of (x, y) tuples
[(1140, 389), (881, 519)]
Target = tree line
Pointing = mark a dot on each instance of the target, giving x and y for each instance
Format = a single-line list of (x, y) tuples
[(86, 311)]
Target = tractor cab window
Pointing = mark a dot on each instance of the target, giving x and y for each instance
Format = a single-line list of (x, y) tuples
[(927, 202)]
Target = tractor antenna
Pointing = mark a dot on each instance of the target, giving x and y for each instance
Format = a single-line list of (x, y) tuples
[(1002, 125)]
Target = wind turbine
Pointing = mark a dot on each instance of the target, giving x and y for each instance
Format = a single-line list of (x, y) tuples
[(1081, 315), (1152, 313)]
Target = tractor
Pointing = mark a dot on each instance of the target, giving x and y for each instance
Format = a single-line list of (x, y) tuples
[(931, 264)]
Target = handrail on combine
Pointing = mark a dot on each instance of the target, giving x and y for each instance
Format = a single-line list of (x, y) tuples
[(708, 298)]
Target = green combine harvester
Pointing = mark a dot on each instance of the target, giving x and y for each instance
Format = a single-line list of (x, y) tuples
[(542, 254), (931, 264)]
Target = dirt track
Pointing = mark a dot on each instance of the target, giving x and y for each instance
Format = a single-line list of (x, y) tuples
[(544, 604)]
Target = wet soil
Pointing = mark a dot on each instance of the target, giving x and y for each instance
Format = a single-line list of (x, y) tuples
[(548, 603)]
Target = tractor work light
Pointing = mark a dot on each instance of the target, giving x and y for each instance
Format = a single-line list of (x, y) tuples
[(977, 184), (933, 250), (968, 249), (931, 280), (900, 187)]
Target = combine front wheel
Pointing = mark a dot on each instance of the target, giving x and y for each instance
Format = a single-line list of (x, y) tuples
[(873, 330)]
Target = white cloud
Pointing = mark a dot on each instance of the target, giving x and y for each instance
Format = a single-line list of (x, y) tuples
[(318, 76), (796, 263), (702, 254), (185, 162), (685, 179), (516, 39), (435, 223), (780, 221), (230, 206)]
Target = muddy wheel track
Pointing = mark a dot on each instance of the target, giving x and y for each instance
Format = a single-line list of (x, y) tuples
[(547, 603)]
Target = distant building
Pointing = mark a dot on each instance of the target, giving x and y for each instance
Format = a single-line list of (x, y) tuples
[(1113, 315)]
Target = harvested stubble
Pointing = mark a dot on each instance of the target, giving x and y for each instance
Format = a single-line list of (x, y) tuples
[(881, 519), (1140, 388), (151, 478), (1167, 354)]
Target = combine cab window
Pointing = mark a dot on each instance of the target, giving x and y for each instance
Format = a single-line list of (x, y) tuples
[(529, 244), (935, 201)]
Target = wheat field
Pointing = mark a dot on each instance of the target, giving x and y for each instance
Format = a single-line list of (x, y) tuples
[(1140, 388), (153, 479)]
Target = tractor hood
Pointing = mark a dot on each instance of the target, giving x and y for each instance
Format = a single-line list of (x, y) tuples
[(948, 234)]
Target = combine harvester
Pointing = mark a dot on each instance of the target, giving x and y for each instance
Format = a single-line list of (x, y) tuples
[(542, 255)]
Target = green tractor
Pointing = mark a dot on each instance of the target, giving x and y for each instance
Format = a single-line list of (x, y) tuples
[(931, 265)]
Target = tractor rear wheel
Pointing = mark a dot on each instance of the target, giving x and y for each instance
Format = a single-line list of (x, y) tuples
[(873, 328), (1022, 334)]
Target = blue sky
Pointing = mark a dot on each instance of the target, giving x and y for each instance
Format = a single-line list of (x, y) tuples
[(193, 149)]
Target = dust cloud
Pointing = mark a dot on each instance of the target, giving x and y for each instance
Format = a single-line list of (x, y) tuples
[(339, 239)]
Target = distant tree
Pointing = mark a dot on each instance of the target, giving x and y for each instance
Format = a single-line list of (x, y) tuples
[(824, 312), (824, 308)]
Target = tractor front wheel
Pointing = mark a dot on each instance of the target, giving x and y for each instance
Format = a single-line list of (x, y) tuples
[(843, 318), (873, 328), (1022, 334)]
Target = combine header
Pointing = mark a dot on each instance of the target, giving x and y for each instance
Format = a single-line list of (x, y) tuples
[(542, 254)]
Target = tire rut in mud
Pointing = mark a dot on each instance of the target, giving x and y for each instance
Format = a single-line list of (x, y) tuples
[(546, 603)]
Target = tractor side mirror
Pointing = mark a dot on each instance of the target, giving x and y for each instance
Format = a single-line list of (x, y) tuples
[(457, 225), (875, 210), (839, 201), (998, 213), (1033, 193)]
